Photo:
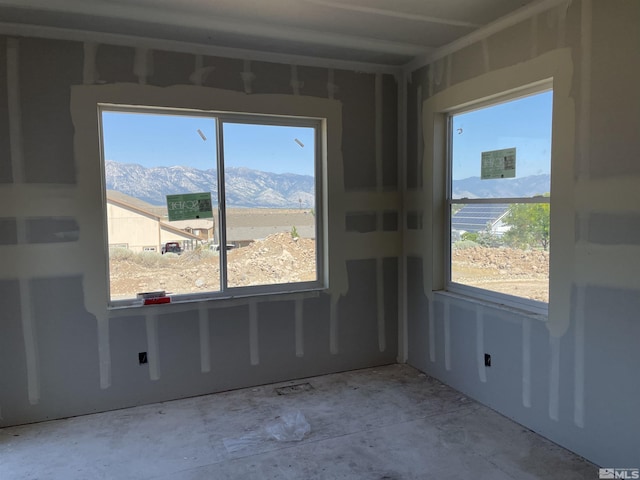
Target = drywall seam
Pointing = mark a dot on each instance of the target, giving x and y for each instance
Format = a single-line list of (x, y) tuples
[(585, 89), (247, 76), (415, 17), (254, 351), (333, 325), (382, 341), (526, 362), (36, 200), (41, 31), (153, 347), (205, 342), (299, 326), (447, 333), (296, 84), (378, 131), (534, 36), (403, 295), (143, 64), (579, 339), (485, 56), (372, 201), (89, 71), (15, 111), (104, 351), (17, 166), (196, 76), (613, 194), (432, 331), (562, 27), (331, 86), (614, 266), (482, 371), (200, 72), (554, 378), (30, 343)]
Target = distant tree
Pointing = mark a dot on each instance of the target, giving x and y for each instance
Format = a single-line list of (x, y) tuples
[(529, 224)]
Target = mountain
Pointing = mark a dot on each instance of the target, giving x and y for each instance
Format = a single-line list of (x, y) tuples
[(474, 187), (243, 187)]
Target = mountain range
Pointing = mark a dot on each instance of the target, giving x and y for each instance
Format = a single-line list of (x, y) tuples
[(474, 187), (243, 187), (253, 188)]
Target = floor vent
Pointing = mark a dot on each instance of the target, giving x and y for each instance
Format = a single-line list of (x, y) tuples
[(291, 389)]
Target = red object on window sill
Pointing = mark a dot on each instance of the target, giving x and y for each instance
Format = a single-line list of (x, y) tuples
[(157, 300)]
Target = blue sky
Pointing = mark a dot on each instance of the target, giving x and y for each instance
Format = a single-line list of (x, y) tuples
[(524, 123), (166, 140)]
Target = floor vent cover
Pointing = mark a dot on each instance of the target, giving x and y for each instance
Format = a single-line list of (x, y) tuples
[(291, 389)]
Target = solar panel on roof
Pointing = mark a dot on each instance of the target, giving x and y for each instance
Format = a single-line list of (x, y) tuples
[(476, 217)]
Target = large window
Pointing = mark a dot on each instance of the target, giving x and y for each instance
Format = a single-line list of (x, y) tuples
[(499, 200), (204, 204)]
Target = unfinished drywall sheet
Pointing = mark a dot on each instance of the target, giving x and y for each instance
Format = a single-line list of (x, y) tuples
[(615, 71), (68, 353), (46, 69), (554, 376)]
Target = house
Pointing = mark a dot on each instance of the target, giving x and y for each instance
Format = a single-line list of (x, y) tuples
[(135, 227), (377, 81), (479, 218)]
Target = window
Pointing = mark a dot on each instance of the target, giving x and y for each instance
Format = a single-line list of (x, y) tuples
[(253, 182), (499, 200)]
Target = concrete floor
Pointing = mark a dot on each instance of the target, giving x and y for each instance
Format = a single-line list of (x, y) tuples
[(382, 423)]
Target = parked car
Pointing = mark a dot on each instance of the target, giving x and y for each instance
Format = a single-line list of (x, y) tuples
[(171, 247)]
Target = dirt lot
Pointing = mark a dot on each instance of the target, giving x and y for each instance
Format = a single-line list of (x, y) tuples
[(276, 259), (281, 259), (518, 272)]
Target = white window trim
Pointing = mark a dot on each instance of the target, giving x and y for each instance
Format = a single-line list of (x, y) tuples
[(85, 100), (222, 118), (529, 305)]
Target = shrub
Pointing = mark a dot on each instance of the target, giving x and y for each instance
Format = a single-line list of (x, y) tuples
[(463, 244)]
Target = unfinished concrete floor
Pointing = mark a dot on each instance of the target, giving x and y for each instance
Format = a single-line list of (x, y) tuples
[(381, 423)]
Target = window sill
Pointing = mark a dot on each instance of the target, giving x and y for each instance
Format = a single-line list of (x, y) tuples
[(186, 304), (493, 304)]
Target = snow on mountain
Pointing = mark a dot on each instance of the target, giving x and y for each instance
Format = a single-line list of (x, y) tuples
[(244, 187), (474, 187)]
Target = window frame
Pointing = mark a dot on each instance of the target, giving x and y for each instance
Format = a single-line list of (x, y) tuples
[(482, 294), (319, 124)]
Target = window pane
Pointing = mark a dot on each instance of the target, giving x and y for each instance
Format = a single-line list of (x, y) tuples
[(270, 204), (523, 125), (502, 248), (147, 157)]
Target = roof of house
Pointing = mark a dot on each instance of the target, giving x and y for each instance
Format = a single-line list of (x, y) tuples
[(139, 209), (477, 217)]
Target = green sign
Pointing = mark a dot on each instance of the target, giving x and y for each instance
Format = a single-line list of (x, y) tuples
[(189, 206), (499, 164)]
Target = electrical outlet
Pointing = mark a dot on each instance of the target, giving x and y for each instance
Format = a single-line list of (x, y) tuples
[(487, 360), (142, 358)]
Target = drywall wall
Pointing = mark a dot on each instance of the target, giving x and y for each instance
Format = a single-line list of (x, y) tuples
[(62, 351), (571, 376)]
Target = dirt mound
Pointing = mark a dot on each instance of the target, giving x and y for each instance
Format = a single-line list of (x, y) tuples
[(507, 270), (278, 258)]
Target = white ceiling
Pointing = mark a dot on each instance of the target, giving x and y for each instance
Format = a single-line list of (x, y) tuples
[(371, 31)]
